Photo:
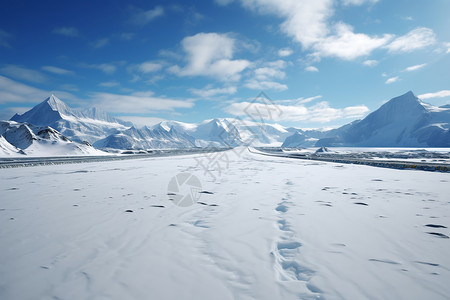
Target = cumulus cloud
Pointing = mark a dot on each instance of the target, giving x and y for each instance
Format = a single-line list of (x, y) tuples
[(285, 52), (309, 23), (392, 80), (418, 38), (305, 21), (414, 68), (311, 69), (21, 73), (67, 31), (209, 91), (439, 94), (56, 70), (210, 54), (347, 45), (320, 112)]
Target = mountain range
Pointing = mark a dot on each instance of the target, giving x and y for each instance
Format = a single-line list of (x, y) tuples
[(404, 121)]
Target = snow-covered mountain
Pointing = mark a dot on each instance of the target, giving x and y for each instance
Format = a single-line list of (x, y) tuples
[(90, 125), (26, 139), (158, 137), (404, 121)]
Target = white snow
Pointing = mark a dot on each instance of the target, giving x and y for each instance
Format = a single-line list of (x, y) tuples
[(282, 229)]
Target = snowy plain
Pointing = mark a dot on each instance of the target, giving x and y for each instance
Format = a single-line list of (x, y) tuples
[(268, 228)]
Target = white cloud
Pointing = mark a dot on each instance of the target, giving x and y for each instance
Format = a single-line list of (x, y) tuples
[(285, 52), (265, 85), (307, 22), (418, 38), (56, 70), (149, 67), (15, 92), (109, 84), (370, 62), (23, 74), (392, 80), (320, 112), (100, 43), (223, 2), (347, 45), (126, 36), (440, 94), (106, 68), (4, 37), (311, 69), (265, 73), (139, 102), (142, 17), (209, 54), (447, 45), (208, 91), (358, 2), (304, 20), (264, 77), (414, 68), (67, 31)]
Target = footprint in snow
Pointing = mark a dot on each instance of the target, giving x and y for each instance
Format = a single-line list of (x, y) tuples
[(438, 234), (361, 203), (435, 226)]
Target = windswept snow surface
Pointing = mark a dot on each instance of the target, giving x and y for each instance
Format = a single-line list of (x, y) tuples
[(268, 228)]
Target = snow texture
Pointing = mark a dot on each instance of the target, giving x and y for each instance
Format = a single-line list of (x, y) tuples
[(266, 228)]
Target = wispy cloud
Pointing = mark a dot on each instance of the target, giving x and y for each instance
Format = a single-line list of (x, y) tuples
[(67, 31), (209, 91), (392, 80), (4, 39), (139, 102), (109, 84), (142, 17), (439, 94), (21, 73), (107, 68), (418, 38), (285, 52), (320, 112), (358, 2), (311, 69), (100, 43), (210, 54), (12, 91), (414, 68), (223, 2), (370, 62), (149, 67), (56, 70)]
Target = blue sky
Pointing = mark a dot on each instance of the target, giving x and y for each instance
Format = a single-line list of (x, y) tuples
[(323, 62)]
